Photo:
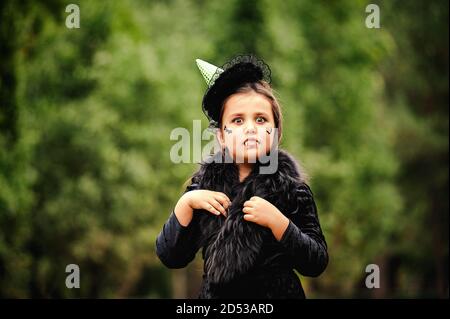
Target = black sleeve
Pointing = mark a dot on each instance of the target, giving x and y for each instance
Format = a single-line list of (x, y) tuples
[(303, 239), (176, 245)]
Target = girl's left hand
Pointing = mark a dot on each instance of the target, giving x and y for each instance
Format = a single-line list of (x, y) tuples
[(262, 212)]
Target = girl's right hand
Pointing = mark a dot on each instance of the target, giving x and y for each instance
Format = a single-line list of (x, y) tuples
[(214, 202)]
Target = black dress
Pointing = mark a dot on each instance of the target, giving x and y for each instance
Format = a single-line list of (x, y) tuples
[(302, 247)]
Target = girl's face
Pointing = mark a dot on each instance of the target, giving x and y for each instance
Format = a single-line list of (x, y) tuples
[(248, 126)]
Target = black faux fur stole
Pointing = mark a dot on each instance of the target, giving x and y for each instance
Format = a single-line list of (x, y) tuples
[(233, 244)]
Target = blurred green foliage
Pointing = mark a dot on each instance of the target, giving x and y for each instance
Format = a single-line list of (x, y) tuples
[(86, 115)]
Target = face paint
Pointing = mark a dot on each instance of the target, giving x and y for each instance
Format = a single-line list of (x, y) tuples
[(269, 130), (227, 130)]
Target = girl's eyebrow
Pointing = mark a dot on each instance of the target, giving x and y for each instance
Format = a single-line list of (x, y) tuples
[(262, 113), (240, 114)]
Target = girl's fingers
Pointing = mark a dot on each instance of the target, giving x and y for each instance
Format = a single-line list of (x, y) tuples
[(250, 218), (210, 208), (222, 200), (248, 210), (223, 197), (223, 194), (218, 207), (248, 204)]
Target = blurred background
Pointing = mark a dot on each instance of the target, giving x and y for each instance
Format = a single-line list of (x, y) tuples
[(86, 115)]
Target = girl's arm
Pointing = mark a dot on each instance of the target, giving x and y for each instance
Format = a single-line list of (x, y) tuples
[(177, 244), (179, 239), (303, 238)]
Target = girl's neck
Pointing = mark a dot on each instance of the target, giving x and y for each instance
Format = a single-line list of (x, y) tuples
[(244, 170)]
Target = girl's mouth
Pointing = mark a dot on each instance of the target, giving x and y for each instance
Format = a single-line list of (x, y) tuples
[(251, 142)]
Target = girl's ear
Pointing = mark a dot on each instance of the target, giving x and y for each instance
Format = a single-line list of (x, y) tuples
[(219, 135)]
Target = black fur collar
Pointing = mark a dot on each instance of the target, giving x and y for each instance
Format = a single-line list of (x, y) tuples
[(232, 245)]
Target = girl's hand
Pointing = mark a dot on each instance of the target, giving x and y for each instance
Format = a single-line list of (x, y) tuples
[(214, 202), (260, 211)]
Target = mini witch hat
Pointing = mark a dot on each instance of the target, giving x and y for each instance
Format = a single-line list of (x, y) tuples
[(225, 81), (209, 71)]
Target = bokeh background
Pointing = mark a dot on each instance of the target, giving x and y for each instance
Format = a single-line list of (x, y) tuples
[(86, 115)]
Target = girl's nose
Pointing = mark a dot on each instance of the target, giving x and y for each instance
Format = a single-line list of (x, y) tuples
[(250, 128)]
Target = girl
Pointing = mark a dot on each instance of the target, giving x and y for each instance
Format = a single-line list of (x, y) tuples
[(255, 225)]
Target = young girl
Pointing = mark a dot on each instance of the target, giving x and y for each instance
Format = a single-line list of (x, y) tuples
[(254, 226)]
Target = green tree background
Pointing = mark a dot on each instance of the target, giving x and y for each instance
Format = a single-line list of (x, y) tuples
[(86, 115)]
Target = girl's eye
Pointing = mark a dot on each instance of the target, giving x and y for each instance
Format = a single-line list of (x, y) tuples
[(237, 120), (260, 119)]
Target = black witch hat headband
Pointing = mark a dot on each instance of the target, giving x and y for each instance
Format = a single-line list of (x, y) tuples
[(224, 81)]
